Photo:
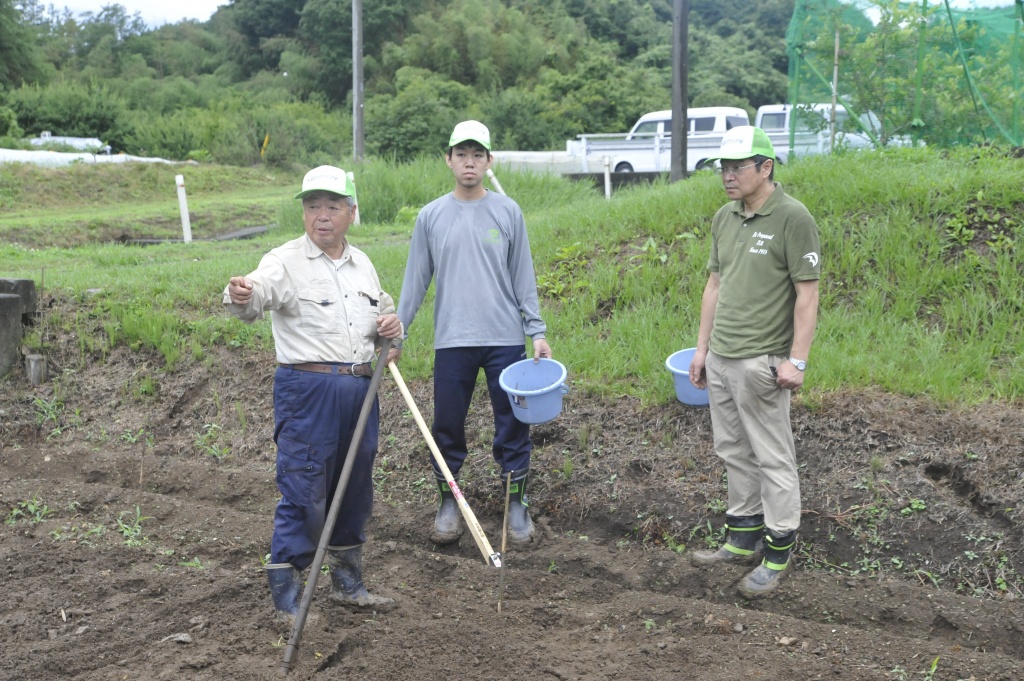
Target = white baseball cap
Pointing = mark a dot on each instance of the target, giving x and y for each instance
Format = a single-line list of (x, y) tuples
[(471, 130), (327, 179), (744, 141)]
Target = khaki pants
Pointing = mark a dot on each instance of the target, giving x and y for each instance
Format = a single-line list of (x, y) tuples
[(753, 437)]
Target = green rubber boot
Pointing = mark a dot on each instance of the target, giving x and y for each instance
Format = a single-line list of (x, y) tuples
[(742, 543), (448, 521), (520, 525)]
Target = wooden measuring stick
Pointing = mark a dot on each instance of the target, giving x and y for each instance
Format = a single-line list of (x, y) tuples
[(474, 526)]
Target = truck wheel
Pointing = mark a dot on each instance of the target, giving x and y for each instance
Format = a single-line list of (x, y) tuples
[(704, 164), (623, 168)]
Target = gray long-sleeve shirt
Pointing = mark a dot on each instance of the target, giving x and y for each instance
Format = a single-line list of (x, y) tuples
[(479, 255)]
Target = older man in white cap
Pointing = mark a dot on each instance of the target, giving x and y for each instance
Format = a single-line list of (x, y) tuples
[(329, 316), (757, 321), (473, 244)]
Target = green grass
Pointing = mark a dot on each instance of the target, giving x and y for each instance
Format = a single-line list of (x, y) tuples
[(921, 291)]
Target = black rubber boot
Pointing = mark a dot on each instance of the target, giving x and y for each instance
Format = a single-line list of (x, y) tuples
[(520, 526), (742, 543), (285, 587), (778, 551), (346, 564), (448, 521)]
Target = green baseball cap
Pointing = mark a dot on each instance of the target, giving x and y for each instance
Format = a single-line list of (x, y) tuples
[(327, 179), (744, 141), (471, 130)]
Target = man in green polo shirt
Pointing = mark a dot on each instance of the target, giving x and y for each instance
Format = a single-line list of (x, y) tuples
[(757, 320)]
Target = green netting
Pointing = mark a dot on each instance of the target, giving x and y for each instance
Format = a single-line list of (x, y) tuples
[(940, 71)]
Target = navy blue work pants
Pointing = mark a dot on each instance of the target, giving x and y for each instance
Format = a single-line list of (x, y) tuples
[(314, 416), (455, 374)]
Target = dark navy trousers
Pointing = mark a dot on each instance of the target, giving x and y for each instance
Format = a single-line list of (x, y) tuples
[(314, 417), (455, 374)]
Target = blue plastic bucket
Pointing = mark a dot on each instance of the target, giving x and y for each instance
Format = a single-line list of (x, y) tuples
[(534, 389), (679, 364)]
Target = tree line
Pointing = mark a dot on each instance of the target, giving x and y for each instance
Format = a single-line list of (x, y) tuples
[(271, 80)]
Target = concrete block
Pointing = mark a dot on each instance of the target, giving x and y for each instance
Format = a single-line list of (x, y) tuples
[(24, 289), (35, 367), (10, 331)]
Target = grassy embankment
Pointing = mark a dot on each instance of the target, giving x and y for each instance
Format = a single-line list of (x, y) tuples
[(921, 293)]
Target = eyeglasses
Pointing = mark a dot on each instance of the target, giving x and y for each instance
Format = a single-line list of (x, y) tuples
[(315, 209), (733, 171)]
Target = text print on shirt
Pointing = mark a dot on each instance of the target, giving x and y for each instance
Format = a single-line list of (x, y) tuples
[(759, 247)]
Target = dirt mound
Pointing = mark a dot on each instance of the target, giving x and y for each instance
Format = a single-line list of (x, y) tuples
[(139, 508)]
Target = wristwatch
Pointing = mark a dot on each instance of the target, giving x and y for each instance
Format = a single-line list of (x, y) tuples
[(798, 363)]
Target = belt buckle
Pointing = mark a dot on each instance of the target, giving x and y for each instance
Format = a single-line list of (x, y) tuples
[(351, 369)]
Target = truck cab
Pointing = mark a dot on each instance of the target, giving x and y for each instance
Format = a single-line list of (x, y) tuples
[(703, 119), (649, 141), (811, 127)]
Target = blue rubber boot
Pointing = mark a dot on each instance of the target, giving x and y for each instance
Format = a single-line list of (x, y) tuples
[(346, 564), (285, 587)]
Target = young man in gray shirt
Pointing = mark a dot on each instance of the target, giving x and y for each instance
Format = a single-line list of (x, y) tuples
[(473, 244)]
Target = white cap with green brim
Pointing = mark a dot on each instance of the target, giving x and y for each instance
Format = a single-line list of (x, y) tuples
[(327, 179), (744, 141), (471, 130)]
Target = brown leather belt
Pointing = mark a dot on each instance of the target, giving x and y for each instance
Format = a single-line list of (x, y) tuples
[(342, 369)]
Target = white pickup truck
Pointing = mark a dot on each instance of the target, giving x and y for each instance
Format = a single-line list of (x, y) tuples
[(813, 130), (647, 147)]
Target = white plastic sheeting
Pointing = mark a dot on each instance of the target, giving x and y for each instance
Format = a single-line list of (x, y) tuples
[(80, 143), (54, 159)]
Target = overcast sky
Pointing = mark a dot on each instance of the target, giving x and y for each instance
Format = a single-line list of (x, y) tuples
[(153, 12), (158, 12)]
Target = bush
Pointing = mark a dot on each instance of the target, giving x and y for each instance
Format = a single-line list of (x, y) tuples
[(71, 109), (9, 123)]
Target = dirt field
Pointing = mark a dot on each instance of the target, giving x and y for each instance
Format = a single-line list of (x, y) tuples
[(908, 566)]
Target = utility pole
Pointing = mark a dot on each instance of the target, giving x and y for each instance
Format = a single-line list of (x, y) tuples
[(680, 96), (357, 80)]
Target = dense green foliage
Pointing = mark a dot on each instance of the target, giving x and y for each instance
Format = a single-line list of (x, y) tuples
[(270, 81), (538, 71), (945, 74), (920, 291)]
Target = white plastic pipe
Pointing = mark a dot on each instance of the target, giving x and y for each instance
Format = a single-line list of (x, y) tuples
[(494, 181), (186, 226), (607, 177), (352, 183)]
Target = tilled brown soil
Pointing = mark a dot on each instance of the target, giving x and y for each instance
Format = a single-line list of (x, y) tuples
[(908, 564)]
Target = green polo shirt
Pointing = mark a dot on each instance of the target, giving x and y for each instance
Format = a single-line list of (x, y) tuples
[(758, 259)]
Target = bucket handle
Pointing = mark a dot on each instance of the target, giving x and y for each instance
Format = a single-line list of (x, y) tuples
[(565, 389)]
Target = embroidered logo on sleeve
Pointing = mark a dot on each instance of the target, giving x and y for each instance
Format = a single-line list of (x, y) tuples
[(812, 258)]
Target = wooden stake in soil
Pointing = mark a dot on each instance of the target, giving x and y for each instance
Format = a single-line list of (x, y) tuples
[(504, 534)]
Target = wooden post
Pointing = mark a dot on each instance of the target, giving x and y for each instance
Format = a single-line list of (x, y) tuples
[(680, 83), (358, 135)]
